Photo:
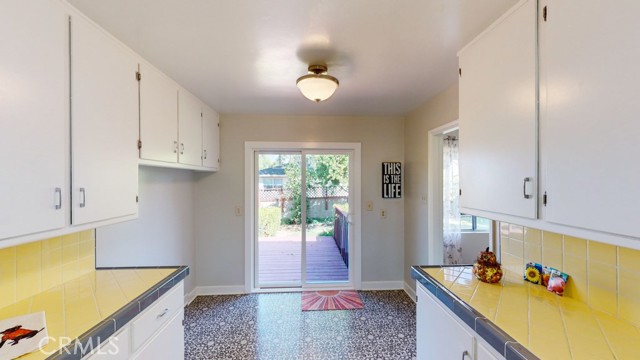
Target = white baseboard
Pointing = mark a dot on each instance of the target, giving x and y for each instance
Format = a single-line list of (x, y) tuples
[(188, 298), (382, 285), (240, 289), (409, 290), (220, 290)]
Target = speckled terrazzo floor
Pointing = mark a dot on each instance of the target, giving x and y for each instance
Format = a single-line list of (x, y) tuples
[(272, 326)]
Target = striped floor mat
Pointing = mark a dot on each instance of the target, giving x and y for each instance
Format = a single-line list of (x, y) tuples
[(331, 300)]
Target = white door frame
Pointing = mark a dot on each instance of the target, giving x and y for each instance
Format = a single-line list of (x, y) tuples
[(250, 147), (434, 181)]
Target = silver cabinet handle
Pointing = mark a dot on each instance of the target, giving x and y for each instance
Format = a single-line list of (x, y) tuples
[(58, 204), (524, 188), (163, 313), (83, 202), (205, 154), (175, 147), (465, 354), (181, 148)]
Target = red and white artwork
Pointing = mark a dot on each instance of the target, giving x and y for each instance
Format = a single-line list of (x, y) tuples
[(22, 334)]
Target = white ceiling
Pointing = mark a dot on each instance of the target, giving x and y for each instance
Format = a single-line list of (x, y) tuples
[(244, 56)]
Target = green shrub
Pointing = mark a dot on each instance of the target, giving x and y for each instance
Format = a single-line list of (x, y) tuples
[(270, 218), (328, 232)]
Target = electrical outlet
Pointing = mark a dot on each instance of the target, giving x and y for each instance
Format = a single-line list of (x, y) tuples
[(383, 213), (238, 211), (369, 205)]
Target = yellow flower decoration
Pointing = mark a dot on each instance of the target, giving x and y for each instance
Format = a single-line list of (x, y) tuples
[(533, 275)]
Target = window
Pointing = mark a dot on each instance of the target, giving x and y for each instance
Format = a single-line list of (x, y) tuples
[(474, 223)]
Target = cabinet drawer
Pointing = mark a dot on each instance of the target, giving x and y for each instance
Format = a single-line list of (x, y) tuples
[(152, 319), (168, 343)]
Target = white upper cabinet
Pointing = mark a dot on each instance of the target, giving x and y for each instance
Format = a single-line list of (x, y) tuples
[(189, 129), (590, 131), (34, 117), (176, 128), (158, 116), (498, 117), (210, 138), (104, 126)]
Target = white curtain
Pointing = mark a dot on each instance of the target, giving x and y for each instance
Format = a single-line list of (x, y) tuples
[(451, 212)]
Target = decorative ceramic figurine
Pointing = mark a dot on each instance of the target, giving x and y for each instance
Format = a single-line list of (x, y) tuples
[(487, 268)]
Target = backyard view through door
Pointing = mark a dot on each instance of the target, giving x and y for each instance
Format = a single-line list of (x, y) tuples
[(302, 219)]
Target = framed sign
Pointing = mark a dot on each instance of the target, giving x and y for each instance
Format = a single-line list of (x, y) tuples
[(391, 180)]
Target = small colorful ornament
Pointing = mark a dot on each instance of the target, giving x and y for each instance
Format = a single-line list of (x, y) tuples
[(553, 279), (533, 273), (487, 269), (557, 282)]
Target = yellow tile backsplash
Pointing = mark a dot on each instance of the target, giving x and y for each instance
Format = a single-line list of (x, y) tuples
[(29, 269), (602, 253), (602, 276)]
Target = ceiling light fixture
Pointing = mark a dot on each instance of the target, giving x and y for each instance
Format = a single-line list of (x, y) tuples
[(317, 85)]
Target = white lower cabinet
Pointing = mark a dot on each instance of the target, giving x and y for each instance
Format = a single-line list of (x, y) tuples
[(157, 333), (156, 316), (484, 353), (164, 345), (440, 335)]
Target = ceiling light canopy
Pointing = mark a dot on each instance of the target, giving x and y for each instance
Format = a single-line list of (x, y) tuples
[(317, 85)]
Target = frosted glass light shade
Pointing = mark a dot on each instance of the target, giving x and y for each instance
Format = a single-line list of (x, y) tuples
[(317, 87)]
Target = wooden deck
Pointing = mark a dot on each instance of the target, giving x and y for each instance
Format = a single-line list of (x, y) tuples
[(280, 259)]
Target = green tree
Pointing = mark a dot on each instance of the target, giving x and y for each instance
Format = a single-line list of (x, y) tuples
[(293, 171), (327, 170), (323, 171)]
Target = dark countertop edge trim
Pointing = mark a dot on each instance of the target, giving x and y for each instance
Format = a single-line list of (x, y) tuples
[(489, 331), (94, 337)]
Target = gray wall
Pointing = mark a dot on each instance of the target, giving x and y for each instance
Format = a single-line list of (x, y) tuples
[(438, 111), (188, 218), (220, 234), (163, 232)]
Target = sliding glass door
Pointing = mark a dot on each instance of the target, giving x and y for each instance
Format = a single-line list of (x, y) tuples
[(302, 219)]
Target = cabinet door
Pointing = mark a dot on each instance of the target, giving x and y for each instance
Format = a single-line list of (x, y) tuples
[(589, 116), (34, 117), (190, 129), (210, 138), (168, 343), (483, 353), (439, 335), (158, 116), (498, 117), (104, 126)]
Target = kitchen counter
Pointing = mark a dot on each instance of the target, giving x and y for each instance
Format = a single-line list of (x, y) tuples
[(93, 307), (525, 321)]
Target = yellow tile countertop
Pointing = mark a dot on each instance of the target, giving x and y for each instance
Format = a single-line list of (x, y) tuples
[(94, 306), (546, 325)]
